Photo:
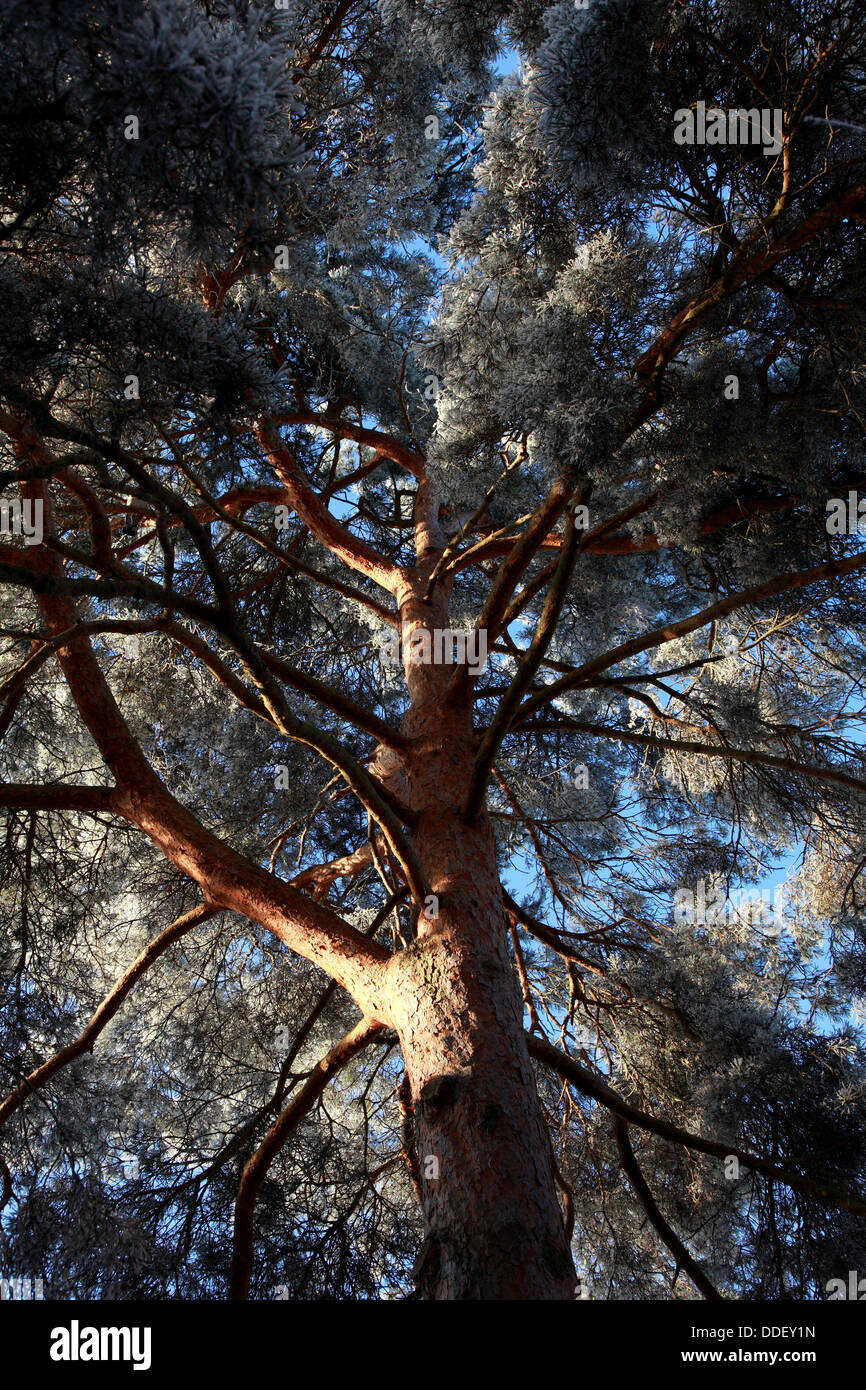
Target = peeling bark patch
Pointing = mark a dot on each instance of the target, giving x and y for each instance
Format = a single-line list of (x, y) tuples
[(557, 1261), (441, 1092), (510, 1238)]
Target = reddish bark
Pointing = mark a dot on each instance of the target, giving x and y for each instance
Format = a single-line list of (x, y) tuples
[(495, 1230), (754, 259), (228, 879), (494, 1227)]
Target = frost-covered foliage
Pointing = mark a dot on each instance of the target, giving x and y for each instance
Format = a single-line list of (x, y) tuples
[(408, 265)]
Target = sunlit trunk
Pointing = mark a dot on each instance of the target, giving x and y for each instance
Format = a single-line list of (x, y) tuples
[(494, 1227)]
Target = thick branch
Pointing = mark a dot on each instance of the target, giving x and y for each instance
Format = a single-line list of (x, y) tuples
[(337, 538), (782, 584), (598, 1090), (648, 1202), (257, 1167), (45, 577), (107, 1009), (226, 877), (319, 877), (59, 797)]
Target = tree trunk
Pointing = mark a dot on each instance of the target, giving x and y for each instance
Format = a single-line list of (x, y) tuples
[(494, 1226)]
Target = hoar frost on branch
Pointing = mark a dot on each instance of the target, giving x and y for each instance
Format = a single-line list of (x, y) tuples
[(325, 975)]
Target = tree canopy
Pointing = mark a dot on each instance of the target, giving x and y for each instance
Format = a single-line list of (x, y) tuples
[(327, 325)]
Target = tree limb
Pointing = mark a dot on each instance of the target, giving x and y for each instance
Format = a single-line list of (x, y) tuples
[(598, 1090), (782, 584), (648, 1202), (105, 1012), (257, 1167)]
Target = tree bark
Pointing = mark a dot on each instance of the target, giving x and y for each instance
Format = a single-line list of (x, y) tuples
[(494, 1226)]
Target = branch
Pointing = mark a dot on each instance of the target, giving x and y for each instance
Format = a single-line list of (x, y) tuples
[(523, 676), (410, 459), (238, 500), (547, 935), (42, 418), (321, 876), (333, 700), (105, 1012), (726, 516), (21, 571), (337, 538), (45, 578), (324, 38), (60, 797), (647, 1201), (236, 1143), (782, 584), (598, 1090), (257, 1167), (709, 750), (743, 268), (521, 553), (226, 877)]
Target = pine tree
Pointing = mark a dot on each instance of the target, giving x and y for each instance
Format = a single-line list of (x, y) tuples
[(432, 602)]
